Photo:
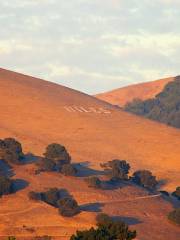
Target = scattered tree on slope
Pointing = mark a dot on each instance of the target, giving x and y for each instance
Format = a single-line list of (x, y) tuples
[(106, 230), (177, 193), (6, 185), (174, 216), (11, 151), (117, 169), (145, 179)]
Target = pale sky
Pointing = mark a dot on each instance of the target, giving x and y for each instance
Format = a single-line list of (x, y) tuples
[(91, 45)]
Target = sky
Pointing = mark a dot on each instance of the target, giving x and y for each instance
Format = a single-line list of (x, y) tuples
[(91, 45)]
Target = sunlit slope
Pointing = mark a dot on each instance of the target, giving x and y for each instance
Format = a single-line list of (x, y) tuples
[(142, 91), (36, 113)]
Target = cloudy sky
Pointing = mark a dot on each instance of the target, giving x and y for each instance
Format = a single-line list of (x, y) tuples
[(91, 45)]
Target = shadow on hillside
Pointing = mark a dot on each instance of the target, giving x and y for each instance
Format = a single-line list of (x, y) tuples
[(161, 183), (113, 185), (92, 207), (5, 169), (30, 158), (85, 171), (19, 184), (172, 200), (127, 220)]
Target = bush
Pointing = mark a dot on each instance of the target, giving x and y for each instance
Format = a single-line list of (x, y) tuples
[(108, 230), (6, 185), (93, 182), (68, 207), (11, 151), (34, 196), (68, 170), (45, 164), (117, 169), (144, 178), (177, 193), (58, 154), (51, 196), (58, 198), (174, 216)]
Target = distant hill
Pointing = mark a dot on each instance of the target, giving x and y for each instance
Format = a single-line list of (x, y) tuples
[(142, 91), (165, 107)]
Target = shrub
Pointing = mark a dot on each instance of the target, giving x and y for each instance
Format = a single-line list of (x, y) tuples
[(11, 238), (68, 170), (174, 216), (109, 230), (177, 193), (117, 169), (58, 154), (144, 178), (45, 164), (93, 182), (6, 185), (11, 151), (68, 207), (51, 196), (34, 196)]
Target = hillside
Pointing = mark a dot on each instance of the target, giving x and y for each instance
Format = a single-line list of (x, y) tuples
[(165, 107), (38, 112), (142, 91)]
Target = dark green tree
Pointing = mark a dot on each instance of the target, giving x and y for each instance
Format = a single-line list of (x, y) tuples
[(145, 179), (93, 182), (117, 169), (174, 216), (11, 151), (177, 193)]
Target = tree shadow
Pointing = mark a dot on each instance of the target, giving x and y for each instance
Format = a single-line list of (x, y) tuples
[(113, 185), (172, 200), (127, 220), (5, 169), (30, 158), (19, 184), (84, 171), (92, 207)]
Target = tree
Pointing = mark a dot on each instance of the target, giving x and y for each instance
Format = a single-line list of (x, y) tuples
[(68, 206), (117, 169), (58, 154), (34, 196), (174, 216), (103, 219), (165, 107), (145, 178), (177, 193), (11, 151), (106, 230), (45, 164), (93, 182), (51, 196), (6, 185), (68, 170)]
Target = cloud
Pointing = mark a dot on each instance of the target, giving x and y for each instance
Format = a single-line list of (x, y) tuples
[(91, 45)]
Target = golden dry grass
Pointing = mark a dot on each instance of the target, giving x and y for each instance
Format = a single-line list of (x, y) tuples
[(142, 91), (32, 111)]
